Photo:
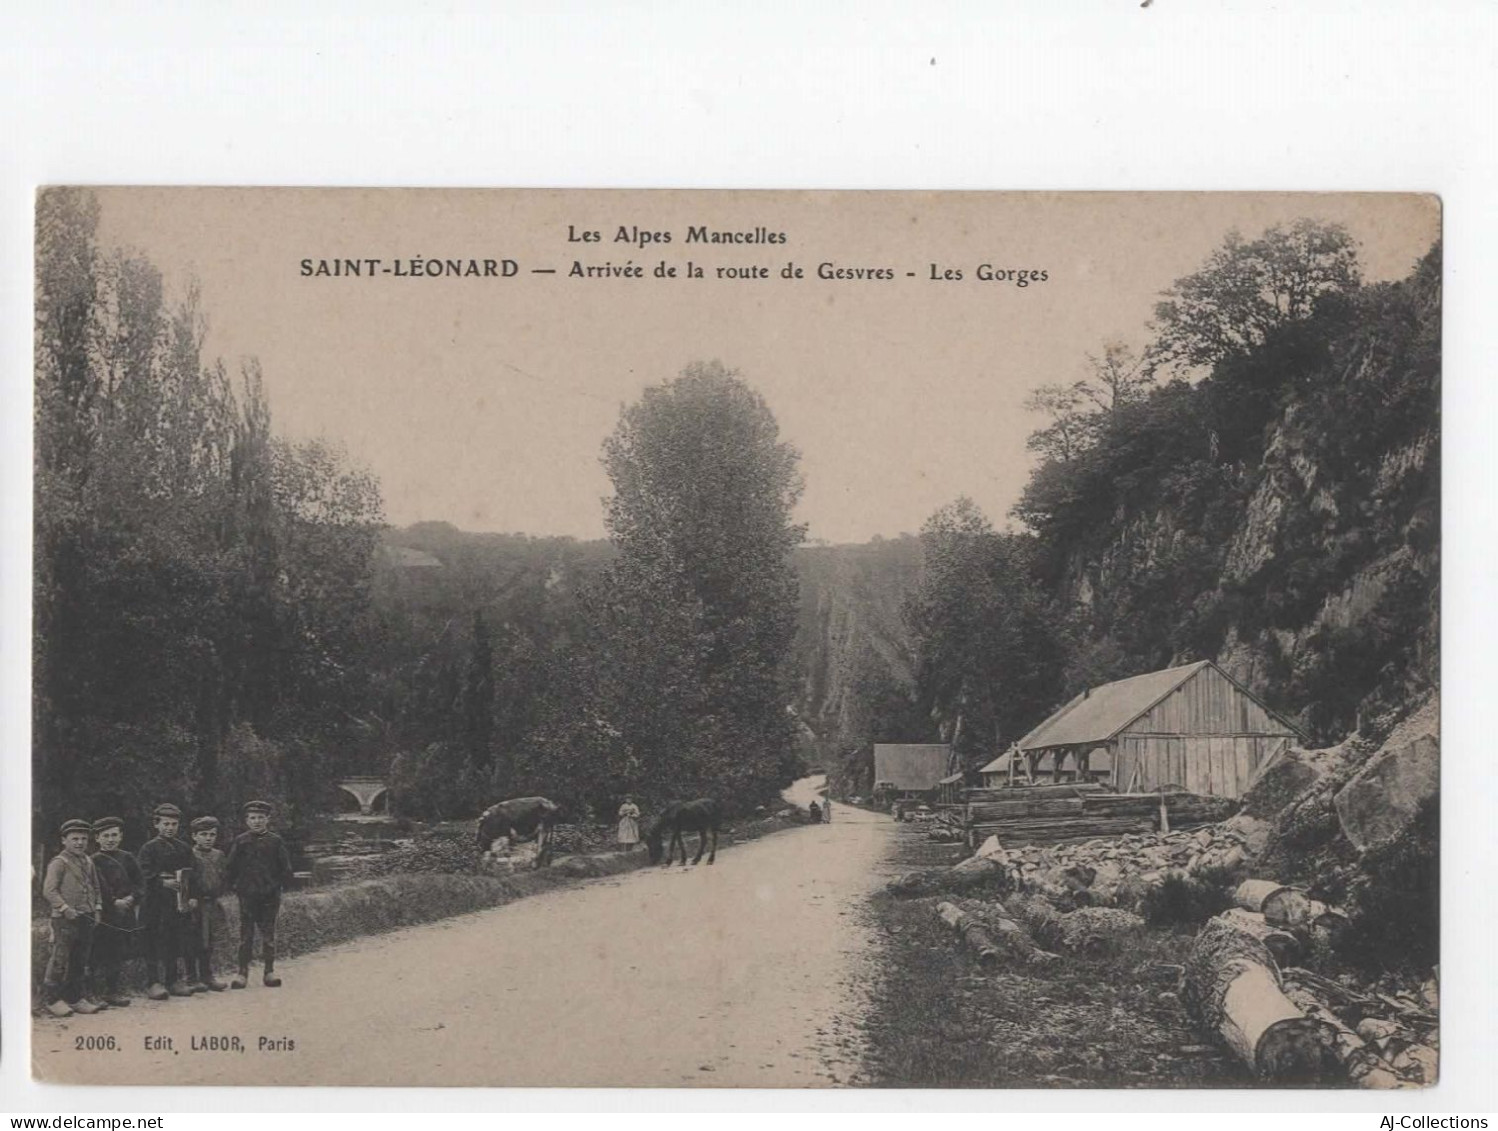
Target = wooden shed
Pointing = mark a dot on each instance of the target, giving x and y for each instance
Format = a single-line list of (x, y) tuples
[(1192, 727), (911, 769)]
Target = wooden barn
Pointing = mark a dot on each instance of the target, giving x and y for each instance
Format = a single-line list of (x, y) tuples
[(904, 770), (1193, 727)]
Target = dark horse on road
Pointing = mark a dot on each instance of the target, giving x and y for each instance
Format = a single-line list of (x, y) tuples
[(702, 817), (520, 818)]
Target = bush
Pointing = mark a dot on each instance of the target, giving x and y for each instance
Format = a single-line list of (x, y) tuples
[(1394, 899), (1183, 901)]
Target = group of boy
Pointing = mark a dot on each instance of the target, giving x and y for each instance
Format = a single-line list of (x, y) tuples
[(169, 893)]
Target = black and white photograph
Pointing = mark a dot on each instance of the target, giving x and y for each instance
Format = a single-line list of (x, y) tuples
[(736, 639)]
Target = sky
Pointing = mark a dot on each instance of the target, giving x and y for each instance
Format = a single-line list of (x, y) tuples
[(484, 401)]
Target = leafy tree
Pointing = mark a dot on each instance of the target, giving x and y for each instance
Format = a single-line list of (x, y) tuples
[(200, 586), (1116, 379), (1070, 429), (700, 606), (989, 663), (1248, 288)]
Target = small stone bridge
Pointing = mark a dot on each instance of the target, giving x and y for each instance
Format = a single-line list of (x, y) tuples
[(365, 790)]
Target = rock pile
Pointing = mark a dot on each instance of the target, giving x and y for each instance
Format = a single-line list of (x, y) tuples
[(1118, 873), (946, 827)]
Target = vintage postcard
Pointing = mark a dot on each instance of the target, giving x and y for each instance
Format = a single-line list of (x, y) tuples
[(736, 639)]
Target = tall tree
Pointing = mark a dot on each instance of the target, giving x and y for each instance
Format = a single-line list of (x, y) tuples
[(703, 594)]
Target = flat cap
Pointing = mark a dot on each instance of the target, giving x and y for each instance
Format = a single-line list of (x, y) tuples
[(257, 807), (76, 826), (167, 809), (108, 823), (201, 823)]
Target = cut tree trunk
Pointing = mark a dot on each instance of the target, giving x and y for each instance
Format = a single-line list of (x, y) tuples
[(1233, 988), (1283, 947), (972, 933), (973, 872), (1251, 894), (1287, 907)]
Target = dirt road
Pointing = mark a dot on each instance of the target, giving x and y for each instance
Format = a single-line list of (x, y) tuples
[(746, 974)]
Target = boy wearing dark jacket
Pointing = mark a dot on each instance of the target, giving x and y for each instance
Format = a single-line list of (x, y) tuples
[(210, 869), (259, 867), (122, 886), (163, 859)]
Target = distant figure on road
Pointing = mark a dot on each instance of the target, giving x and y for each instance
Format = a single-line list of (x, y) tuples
[(827, 811), (629, 824), (816, 813)]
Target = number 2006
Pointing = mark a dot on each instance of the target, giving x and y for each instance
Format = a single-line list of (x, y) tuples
[(94, 1044)]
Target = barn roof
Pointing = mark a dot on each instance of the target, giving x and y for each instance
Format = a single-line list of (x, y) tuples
[(913, 767), (1101, 712), (999, 765)]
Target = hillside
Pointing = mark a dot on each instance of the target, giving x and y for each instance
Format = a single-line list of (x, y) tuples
[(853, 650), (1281, 517)]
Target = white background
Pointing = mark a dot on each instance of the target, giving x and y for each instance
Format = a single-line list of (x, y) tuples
[(986, 95)]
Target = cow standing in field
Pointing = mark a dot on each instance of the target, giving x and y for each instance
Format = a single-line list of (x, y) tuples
[(520, 819)]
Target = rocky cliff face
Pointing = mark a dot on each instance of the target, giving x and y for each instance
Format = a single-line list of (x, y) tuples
[(852, 642), (1312, 571)]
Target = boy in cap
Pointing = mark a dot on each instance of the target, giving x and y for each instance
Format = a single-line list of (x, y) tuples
[(209, 882), (71, 889), (162, 859), (121, 887), (259, 867)]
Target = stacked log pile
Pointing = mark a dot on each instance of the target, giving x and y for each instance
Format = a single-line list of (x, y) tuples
[(1073, 813)]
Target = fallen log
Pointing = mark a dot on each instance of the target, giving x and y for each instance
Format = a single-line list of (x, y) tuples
[(1419, 1063), (1378, 1029), (1288, 907), (1251, 894), (1015, 936), (1283, 947), (1361, 1062), (1330, 988), (976, 869), (972, 933), (974, 872), (1233, 988)]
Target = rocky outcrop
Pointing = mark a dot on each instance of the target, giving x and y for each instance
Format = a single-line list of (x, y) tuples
[(1386, 794), (852, 630)]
